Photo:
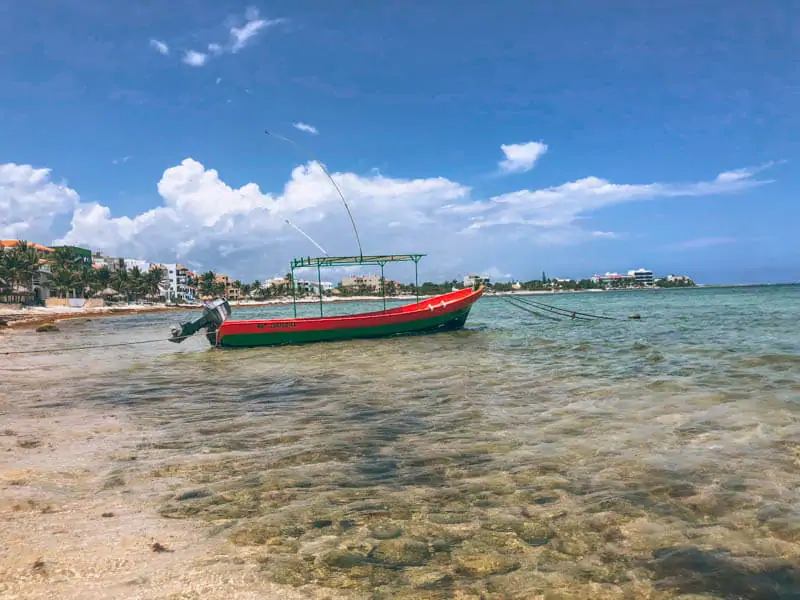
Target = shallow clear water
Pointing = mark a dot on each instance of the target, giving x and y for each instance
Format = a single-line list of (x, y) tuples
[(520, 456)]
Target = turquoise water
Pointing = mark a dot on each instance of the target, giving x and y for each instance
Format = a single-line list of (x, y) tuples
[(518, 458)]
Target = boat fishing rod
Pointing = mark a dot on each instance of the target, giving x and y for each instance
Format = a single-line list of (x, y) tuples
[(308, 237), (338, 191)]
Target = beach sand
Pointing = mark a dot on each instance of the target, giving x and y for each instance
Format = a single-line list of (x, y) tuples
[(76, 524)]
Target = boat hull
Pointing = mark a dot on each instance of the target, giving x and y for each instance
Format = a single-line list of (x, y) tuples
[(442, 313)]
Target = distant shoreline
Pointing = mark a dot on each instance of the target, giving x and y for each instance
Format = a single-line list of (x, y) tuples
[(35, 316)]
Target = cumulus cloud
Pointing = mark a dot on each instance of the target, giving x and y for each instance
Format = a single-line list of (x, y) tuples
[(521, 157), (195, 59), (30, 202), (201, 214), (160, 47), (306, 127), (203, 221)]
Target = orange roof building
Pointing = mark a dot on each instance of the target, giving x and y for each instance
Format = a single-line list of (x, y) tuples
[(14, 243)]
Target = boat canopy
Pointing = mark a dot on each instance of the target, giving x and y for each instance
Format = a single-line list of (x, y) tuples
[(349, 261)]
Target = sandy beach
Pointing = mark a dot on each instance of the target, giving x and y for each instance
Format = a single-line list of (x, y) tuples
[(80, 517)]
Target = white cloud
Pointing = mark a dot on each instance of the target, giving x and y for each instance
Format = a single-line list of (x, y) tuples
[(306, 127), (203, 221), (238, 38), (194, 58), (160, 47), (521, 157), (121, 161), (241, 36), (560, 206), (30, 202), (201, 215)]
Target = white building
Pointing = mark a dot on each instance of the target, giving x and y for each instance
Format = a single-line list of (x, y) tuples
[(130, 263), (642, 276), (472, 279), (175, 282), (111, 263), (275, 282)]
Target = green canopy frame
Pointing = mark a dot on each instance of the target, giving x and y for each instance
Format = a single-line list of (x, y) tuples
[(350, 261)]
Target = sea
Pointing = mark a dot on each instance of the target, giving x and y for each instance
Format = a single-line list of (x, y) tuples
[(521, 457)]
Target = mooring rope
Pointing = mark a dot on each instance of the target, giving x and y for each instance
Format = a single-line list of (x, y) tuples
[(561, 312), (71, 348), (524, 308)]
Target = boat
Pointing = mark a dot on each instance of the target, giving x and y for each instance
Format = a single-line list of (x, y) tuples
[(445, 312)]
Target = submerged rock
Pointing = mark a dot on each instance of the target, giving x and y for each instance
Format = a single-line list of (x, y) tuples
[(47, 328), (346, 558), (401, 553), (385, 531), (473, 563), (427, 578)]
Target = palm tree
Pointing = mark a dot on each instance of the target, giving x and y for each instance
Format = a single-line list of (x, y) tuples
[(121, 282), (208, 284), (153, 281), (21, 262), (136, 282), (103, 277)]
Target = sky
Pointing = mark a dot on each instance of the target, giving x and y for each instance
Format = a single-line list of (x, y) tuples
[(507, 138)]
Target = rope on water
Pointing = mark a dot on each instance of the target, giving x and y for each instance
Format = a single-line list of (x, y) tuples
[(71, 348), (524, 308), (561, 312)]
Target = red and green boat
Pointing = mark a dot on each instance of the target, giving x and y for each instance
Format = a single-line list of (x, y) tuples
[(445, 312)]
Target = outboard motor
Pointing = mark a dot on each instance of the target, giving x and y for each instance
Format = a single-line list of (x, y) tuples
[(214, 315)]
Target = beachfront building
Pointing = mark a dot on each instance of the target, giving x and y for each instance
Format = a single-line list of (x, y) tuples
[(614, 280), (361, 283), (111, 263), (175, 283), (311, 287), (192, 279), (131, 263), (642, 277), (232, 291), (473, 279), (678, 278)]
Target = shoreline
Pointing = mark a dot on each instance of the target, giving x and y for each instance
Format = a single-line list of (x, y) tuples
[(34, 316), (28, 317)]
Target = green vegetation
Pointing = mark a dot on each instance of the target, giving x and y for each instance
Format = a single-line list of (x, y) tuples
[(18, 266), (68, 275), (675, 283)]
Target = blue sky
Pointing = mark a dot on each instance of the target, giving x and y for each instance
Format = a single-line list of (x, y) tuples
[(658, 135)]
